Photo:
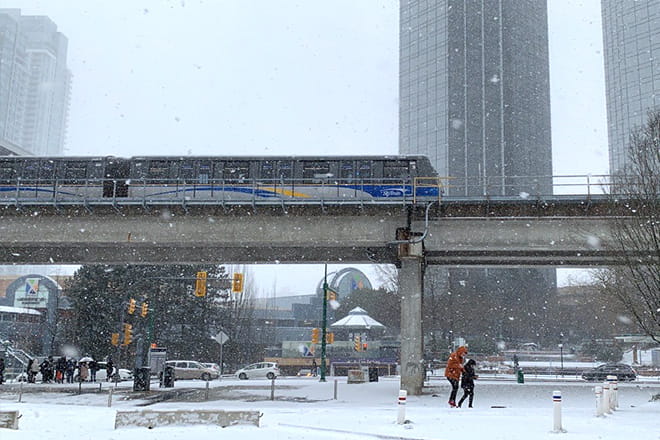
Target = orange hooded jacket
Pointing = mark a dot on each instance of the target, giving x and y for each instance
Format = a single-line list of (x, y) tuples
[(455, 363)]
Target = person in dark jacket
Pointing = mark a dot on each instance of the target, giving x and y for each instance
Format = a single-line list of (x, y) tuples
[(109, 368), (2, 370), (467, 382), (70, 370), (93, 368)]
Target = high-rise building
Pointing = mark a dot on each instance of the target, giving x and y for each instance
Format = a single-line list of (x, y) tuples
[(631, 43), (475, 94), (34, 84), (475, 98)]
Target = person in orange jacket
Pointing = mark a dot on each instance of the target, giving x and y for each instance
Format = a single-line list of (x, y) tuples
[(454, 370)]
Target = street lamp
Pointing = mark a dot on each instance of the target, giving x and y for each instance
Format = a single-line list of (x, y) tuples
[(561, 352)]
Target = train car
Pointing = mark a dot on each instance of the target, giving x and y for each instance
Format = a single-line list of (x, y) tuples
[(52, 178), (221, 179)]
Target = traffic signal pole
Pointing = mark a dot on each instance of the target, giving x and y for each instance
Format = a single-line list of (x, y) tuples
[(325, 323)]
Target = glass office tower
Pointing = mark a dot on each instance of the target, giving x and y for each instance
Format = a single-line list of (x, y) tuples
[(631, 43), (475, 93), (475, 98)]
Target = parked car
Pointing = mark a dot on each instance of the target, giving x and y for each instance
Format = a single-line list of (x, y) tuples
[(262, 370), (622, 372), (212, 366), (192, 370)]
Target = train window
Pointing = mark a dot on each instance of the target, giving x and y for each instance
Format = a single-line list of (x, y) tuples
[(204, 171), (285, 169), (46, 170), (30, 172), (159, 171), (365, 169), (268, 170), (237, 170), (186, 171), (73, 172), (395, 169), (218, 170), (8, 172), (346, 169), (315, 171)]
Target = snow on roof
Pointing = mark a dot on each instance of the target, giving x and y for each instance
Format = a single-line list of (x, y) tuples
[(357, 318), (8, 309)]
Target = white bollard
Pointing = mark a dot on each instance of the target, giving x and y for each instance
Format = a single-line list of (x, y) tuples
[(606, 398), (556, 399), (599, 401), (109, 397), (611, 380), (403, 394)]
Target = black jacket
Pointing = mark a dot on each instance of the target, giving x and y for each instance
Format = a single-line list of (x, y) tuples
[(467, 379)]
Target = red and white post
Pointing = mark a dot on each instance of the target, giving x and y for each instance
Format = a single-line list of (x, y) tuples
[(599, 401), (556, 399), (403, 394), (606, 398), (614, 389)]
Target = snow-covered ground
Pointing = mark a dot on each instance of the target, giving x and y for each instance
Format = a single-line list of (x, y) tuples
[(304, 409)]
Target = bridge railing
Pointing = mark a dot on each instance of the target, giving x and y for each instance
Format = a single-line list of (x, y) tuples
[(526, 186), (289, 191)]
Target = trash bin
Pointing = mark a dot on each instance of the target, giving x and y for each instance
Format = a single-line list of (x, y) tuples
[(373, 374), (521, 376), (142, 379), (167, 377)]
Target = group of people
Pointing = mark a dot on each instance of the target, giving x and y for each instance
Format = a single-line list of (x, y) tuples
[(458, 369), (63, 369)]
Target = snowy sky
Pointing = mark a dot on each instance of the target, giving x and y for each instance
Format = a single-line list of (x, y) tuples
[(260, 77)]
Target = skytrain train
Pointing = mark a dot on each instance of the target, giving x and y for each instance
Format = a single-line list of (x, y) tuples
[(218, 179)]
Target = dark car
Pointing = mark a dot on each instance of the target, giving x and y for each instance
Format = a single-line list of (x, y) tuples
[(622, 372)]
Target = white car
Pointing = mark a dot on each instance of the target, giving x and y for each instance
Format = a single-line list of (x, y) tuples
[(260, 370)]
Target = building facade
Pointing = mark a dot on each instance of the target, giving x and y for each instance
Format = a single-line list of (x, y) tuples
[(34, 84), (475, 98), (631, 43), (475, 94)]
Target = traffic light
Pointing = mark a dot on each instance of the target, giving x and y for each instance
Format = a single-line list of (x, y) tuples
[(200, 284), (364, 346), (131, 306), (329, 338), (144, 310), (237, 283), (128, 334), (357, 345), (114, 339), (315, 335)]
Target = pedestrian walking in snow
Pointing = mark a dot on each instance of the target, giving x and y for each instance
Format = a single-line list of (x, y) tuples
[(467, 382), (454, 370)]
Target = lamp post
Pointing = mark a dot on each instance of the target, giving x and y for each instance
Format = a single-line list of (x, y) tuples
[(561, 352), (324, 323)]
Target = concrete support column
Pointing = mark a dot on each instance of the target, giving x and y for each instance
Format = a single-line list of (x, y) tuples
[(411, 286)]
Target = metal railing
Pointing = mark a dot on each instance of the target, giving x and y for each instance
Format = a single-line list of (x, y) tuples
[(95, 191)]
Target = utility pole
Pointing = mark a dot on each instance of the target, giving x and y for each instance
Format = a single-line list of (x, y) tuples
[(324, 323)]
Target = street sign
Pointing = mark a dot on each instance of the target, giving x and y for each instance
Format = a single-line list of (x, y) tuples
[(221, 338)]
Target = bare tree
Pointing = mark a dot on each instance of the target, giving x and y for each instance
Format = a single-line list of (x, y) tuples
[(636, 283)]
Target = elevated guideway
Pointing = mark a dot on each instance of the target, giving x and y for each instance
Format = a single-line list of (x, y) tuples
[(558, 231)]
